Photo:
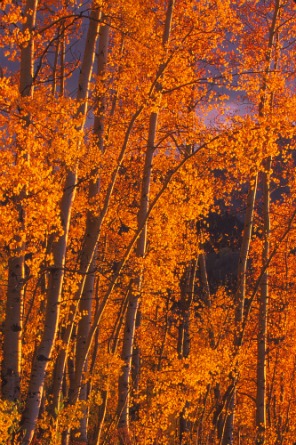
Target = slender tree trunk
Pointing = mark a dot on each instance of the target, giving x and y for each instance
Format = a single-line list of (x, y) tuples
[(200, 440), (187, 291), (265, 108), (124, 384), (101, 417), (11, 365), (89, 244), (243, 260), (228, 424), (84, 324), (43, 353), (133, 305), (263, 315), (12, 344), (27, 51)]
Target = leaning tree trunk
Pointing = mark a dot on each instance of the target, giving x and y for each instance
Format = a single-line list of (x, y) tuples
[(56, 275), (12, 344)]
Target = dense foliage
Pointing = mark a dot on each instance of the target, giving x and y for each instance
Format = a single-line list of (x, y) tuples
[(147, 196)]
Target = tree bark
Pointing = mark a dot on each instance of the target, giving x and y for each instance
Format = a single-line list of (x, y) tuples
[(263, 315), (228, 423), (87, 260), (12, 344), (124, 384), (44, 350), (187, 291)]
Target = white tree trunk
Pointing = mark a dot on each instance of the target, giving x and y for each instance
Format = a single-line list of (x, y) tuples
[(88, 249), (263, 315), (124, 384), (12, 346), (43, 353)]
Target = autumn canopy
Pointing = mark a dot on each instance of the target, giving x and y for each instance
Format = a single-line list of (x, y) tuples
[(148, 222)]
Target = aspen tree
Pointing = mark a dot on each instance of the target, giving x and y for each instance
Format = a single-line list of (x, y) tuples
[(12, 346), (265, 108), (261, 396), (103, 211), (83, 298), (44, 351), (187, 293), (227, 426), (86, 302), (125, 384)]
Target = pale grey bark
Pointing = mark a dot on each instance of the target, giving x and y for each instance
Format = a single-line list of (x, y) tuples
[(101, 417), (102, 58), (88, 250), (27, 51), (125, 384), (200, 440), (62, 61), (56, 274), (263, 314), (84, 325), (12, 344), (265, 108), (228, 424)]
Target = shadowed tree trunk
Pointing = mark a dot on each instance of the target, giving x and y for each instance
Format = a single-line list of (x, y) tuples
[(227, 420), (12, 344), (187, 292)]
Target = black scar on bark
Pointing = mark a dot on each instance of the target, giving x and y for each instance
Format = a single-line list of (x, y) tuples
[(42, 358), (16, 328)]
